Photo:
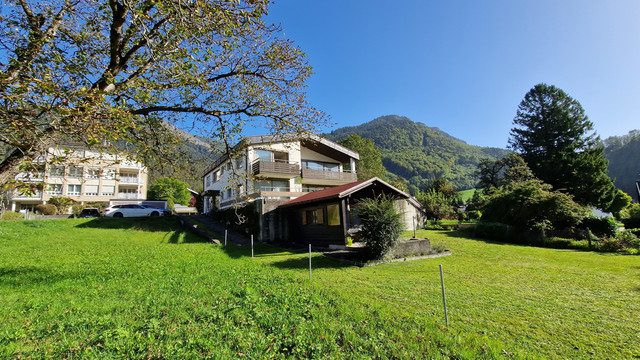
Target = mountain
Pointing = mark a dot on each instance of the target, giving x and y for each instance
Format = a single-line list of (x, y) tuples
[(419, 153), (623, 153)]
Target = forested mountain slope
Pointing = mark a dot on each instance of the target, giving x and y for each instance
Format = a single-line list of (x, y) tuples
[(419, 153), (623, 153)]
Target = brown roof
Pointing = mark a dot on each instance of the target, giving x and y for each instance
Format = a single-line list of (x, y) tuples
[(342, 191)]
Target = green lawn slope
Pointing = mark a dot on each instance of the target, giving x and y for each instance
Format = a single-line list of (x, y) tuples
[(142, 288)]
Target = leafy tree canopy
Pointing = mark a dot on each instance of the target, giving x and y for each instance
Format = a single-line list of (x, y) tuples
[(169, 189), (117, 72), (494, 174), (556, 139), (370, 163)]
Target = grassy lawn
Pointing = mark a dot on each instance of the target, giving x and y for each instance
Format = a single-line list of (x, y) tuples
[(107, 288)]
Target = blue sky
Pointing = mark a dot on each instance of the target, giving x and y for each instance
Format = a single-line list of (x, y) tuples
[(464, 66)]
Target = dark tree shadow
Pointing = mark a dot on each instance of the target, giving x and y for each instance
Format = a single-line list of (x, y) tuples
[(170, 225), (25, 276)]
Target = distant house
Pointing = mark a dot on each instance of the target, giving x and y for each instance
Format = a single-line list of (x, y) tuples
[(283, 177), (84, 176)]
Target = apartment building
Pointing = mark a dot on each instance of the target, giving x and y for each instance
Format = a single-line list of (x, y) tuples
[(269, 168), (270, 171), (84, 176)]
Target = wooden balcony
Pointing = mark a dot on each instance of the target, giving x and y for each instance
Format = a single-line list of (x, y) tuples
[(321, 177), (275, 169)]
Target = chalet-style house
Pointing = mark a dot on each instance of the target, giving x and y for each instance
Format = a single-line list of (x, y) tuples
[(304, 190), (84, 176)]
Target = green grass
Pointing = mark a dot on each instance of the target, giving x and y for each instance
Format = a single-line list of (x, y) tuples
[(466, 195), (121, 288)]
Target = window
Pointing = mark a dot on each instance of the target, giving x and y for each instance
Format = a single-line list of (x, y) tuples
[(74, 190), (93, 173), (56, 171), (75, 171), (333, 214), (91, 190), (263, 155), (273, 185), (239, 162), (208, 180), (108, 190), (109, 174), (229, 193), (313, 217), (54, 189), (320, 165), (216, 176)]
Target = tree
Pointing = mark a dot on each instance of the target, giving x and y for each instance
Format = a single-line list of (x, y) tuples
[(502, 172), (370, 163), (115, 73), (554, 136), (170, 189), (435, 204)]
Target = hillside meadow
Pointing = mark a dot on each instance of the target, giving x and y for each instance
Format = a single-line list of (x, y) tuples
[(143, 288)]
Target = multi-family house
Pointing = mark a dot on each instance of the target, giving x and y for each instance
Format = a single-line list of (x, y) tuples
[(299, 187), (82, 175)]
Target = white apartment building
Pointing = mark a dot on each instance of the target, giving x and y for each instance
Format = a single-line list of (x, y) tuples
[(84, 176), (267, 168)]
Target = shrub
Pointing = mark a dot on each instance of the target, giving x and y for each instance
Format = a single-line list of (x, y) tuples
[(62, 203), (382, 225), (628, 239), (600, 226), (12, 215), (76, 209), (610, 245), (530, 205), (497, 232), (46, 209)]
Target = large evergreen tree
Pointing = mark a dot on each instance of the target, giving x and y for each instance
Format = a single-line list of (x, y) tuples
[(556, 139)]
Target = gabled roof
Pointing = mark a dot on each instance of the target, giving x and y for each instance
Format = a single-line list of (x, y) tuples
[(342, 191)]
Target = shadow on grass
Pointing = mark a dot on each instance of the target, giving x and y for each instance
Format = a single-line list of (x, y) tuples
[(174, 232), (291, 256), (322, 262), (21, 276)]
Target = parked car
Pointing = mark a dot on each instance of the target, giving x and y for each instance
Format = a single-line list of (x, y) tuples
[(130, 210), (164, 212), (89, 213)]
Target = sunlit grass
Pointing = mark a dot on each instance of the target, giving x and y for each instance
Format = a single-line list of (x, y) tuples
[(133, 288)]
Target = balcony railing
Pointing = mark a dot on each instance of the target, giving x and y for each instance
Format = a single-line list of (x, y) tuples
[(279, 167), (129, 180), (329, 175), (33, 196), (129, 196)]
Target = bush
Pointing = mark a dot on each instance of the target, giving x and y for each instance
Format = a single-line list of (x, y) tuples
[(12, 215), (628, 239), (532, 206), (46, 209), (382, 225), (600, 227), (631, 223), (610, 245), (62, 203)]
